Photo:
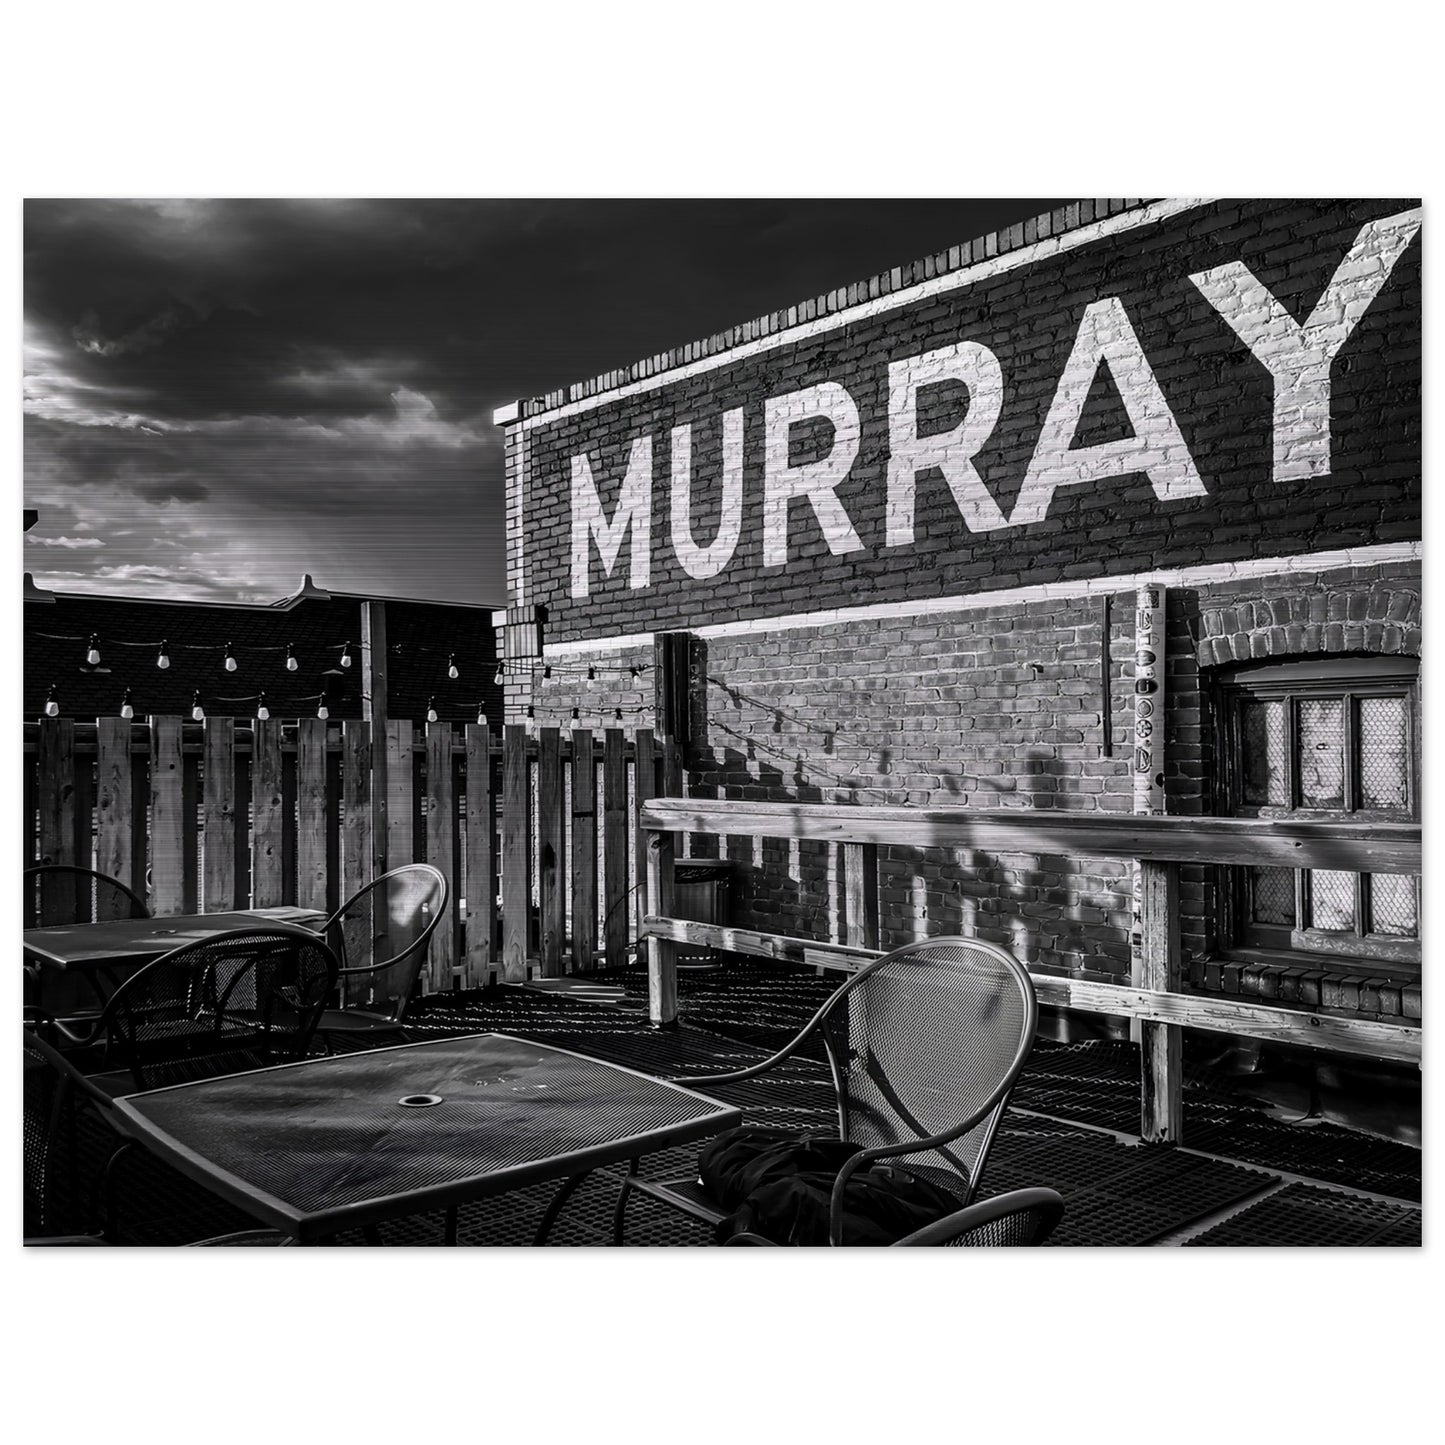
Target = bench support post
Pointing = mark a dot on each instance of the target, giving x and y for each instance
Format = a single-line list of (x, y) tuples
[(1160, 1050)]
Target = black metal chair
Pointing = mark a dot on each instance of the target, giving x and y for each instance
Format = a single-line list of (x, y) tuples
[(1020, 1219), (924, 1046), (70, 1144), (237, 1000), (381, 936), (58, 894)]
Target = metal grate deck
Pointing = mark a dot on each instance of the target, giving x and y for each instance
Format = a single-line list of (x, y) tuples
[(1302, 1214)]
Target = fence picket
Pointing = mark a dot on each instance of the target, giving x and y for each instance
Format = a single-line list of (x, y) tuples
[(167, 861), (441, 823), (311, 813), (356, 845), (55, 756), (645, 767), (616, 841), (113, 823), (268, 849), (550, 850), (584, 853), (516, 878), (481, 887), (399, 788), (218, 879)]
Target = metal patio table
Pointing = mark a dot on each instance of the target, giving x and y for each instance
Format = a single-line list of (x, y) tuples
[(128, 942), (348, 1142)]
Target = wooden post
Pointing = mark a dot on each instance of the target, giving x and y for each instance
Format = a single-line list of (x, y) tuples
[(551, 896), (645, 766), (358, 849), (311, 813), (441, 825), (584, 852), (1147, 759), (516, 815), (398, 769), (1160, 1058), (268, 811), (860, 895), (616, 841), (481, 885), (167, 817), (661, 952), (218, 878), (55, 759), (373, 711), (114, 833)]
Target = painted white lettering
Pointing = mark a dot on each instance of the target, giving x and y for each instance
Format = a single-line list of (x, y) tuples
[(952, 451), (1157, 447), (817, 480), (634, 511), (704, 562), (1299, 357)]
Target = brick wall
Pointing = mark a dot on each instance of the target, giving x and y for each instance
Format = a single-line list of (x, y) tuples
[(884, 698)]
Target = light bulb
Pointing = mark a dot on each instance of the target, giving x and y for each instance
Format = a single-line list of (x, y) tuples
[(574, 714), (497, 679), (52, 708), (92, 652), (230, 659), (452, 667), (591, 673), (163, 658), (322, 712), (547, 670), (126, 710), (198, 713), (617, 713), (291, 663), (346, 655), (431, 709), (263, 713)]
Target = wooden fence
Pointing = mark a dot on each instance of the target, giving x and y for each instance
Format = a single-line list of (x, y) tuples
[(1160, 844), (538, 836)]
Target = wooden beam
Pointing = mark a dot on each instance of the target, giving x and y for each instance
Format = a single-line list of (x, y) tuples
[(268, 798), (218, 807), (311, 813), (584, 852), (373, 710), (441, 827), (1369, 1038), (661, 951), (357, 848), (860, 895), (1161, 1058), (167, 817), (1265, 843), (400, 849), (481, 875), (516, 890), (114, 825)]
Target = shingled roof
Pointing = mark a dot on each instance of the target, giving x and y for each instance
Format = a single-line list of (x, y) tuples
[(314, 625)]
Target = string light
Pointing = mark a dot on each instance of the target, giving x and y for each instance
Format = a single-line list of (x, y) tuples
[(481, 716), (617, 713), (574, 714), (230, 659), (531, 712), (346, 654), (635, 670), (52, 708), (547, 670), (126, 710), (431, 709), (322, 711), (452, 666), (163, 658), (263, 713), (92, 651), (198, 713), (291, 663), (498, 679), (591, 673)]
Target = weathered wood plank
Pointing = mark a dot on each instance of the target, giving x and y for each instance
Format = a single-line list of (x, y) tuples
[(55, 760), (218, 807), (441, 823), (584, 852), (190, 829), (357, 855), (268, 817), (30, 822), (83, 811), (1369, 1038), (661, 950), (311, 813), (516, 818), (1275, 843), (616, 841), (114, 825), (644, 752), (373, 711), (167, 817), (481, 879), (399, 789), (1161, 1059), (550, 851), (860, 895)]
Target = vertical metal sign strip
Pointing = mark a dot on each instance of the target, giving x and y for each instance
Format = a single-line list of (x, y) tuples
[(1148, 754)]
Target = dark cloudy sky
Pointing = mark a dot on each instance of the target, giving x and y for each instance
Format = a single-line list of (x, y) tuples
[(222, 395)]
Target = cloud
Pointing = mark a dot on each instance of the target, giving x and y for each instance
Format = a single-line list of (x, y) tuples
[(178, 489), (71, 543), (151, 332)]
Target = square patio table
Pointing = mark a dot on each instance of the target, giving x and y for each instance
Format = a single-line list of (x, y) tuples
[(127, 942), (325, 1145)]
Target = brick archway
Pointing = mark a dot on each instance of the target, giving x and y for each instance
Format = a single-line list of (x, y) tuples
[(1365, 619)]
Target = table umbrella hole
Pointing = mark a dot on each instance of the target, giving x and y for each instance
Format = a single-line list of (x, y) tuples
[(419, 1101)]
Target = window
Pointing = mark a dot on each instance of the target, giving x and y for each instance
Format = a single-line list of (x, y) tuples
[(1325, 738)]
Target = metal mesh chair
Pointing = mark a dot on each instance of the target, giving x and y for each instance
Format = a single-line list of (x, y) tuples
[(70, 1142), (381, 936), (57, 894), (924, 1046), (237, 1000)]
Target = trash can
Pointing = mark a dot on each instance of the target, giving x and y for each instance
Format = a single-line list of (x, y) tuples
[(701, 889)]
